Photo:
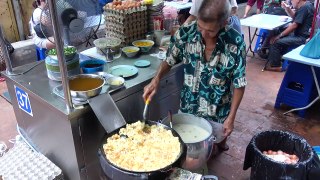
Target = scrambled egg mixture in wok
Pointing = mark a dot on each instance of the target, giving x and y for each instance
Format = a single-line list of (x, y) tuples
[(146, 148)]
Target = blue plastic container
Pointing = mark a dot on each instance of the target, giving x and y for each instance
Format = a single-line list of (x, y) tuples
[(92, 66)]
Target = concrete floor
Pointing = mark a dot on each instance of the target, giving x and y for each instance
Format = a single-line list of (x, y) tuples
[(256, 114)]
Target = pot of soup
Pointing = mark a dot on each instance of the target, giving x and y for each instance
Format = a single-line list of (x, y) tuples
[(196, 133), (85, 86)]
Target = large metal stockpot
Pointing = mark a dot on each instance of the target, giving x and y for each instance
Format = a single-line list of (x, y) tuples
[(114, 172), (199, 152)]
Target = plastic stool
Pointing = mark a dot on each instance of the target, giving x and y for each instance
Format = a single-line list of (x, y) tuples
[(296, 90), (261, 37), (285, 63), (41, 53)]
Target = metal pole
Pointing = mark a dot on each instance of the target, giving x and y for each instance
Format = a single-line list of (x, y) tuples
[(60, 53), (5, 52)]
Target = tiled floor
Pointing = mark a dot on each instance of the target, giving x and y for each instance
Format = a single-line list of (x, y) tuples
[(256, 114)]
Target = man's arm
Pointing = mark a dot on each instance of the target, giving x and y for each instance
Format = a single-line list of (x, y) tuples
[(190, 19), (151, 89), (234, 10), (228, 124), (293, 26), (286, 32), (287, 8)]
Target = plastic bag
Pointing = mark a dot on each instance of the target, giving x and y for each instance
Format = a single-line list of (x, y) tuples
[(263, 167), (312, 48)]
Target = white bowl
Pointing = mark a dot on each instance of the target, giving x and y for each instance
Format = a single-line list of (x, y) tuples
[(131, 51), (115, 81), (103, 43), (143, 48)]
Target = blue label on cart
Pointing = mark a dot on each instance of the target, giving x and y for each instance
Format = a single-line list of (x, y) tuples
[(23, 100)]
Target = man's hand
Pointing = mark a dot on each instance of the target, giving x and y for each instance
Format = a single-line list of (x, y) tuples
[(275, 39), (228, 126), (284, 5), (151, 89)]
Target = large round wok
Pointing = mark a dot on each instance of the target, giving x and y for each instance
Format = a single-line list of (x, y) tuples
[(114, 172)]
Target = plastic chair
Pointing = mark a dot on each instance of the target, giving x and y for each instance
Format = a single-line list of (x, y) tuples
[(261, 37), (41, 53), (297, 88)]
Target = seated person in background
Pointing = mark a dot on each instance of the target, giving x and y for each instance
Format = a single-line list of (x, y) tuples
[(46, 43), (273, 7), (233, 21), (250, 3), (294, 35)]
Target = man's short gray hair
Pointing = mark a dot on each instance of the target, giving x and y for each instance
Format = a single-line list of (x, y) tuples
[(212, 11)]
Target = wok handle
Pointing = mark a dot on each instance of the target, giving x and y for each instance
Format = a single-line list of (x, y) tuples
[(167, 169)]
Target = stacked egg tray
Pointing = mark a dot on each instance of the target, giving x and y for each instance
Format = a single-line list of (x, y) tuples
[(126, 24), (22, 163)]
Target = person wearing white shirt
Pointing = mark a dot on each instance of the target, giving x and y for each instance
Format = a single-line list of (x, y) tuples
[(46, 43), (233, 22)]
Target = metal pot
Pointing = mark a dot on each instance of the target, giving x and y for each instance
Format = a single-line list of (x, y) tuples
[(198, 153), (90, 92), (115, 172)]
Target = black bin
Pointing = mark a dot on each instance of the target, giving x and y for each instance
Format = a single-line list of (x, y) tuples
[(263, 167)]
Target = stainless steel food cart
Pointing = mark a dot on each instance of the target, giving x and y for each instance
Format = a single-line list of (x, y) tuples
[(70, 136)]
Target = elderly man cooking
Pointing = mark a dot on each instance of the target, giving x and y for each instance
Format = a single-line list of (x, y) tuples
[(213, 55)]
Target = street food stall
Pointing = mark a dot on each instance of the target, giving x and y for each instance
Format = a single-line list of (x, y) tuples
[(69, 133), (83, 110)]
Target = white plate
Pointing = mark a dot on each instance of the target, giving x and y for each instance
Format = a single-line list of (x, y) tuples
[(124, 71), (142, 63)]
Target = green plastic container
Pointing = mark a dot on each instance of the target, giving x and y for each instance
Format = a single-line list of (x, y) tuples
[(53, 69)]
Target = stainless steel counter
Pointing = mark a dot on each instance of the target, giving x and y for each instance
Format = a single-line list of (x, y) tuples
[(37, 81), (71, 138)]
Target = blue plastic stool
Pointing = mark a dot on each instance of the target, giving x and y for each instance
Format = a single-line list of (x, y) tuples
[(297, 88), (41, 53), (261, 37), (285, 63)]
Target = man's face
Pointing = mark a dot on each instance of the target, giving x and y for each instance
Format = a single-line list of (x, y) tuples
[(295, 3), (208, 30)]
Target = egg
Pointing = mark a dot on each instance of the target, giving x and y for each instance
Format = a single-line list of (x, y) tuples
[(265, 152), (280, 152)]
